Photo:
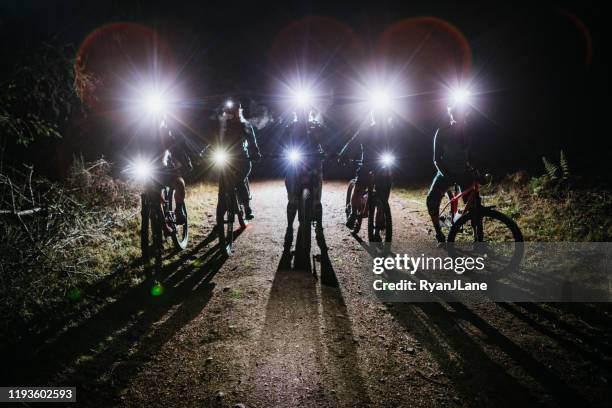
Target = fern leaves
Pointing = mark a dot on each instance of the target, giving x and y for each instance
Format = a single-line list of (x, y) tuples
[(557, 171)]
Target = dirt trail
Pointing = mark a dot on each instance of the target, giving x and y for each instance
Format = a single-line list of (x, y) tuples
[(248, 330)]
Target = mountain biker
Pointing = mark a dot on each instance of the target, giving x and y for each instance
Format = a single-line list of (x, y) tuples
[(177, 163), (362, 147), (452, 160), (304, 133), (237, 137)]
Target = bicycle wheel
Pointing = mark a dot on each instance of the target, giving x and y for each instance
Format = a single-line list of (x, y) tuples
[(180, 236), (379, 221), (490, 226), (225, 227), (492, 234), (349, 195), (304, 235)]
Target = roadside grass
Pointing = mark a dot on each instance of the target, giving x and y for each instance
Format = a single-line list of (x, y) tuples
[(545, 210), (93, 257)]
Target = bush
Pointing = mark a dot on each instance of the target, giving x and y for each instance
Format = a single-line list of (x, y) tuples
[(57, 239), (550, 210)]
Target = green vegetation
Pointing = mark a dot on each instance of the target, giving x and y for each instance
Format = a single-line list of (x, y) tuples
[(56, 240), (548, 208), (80, 252), (37, 97)]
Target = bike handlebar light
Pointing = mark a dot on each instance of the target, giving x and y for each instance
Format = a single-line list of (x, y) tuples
[(294, 156), (220, 157), (387, 159)]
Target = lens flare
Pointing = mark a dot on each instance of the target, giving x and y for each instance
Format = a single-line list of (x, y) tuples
[(303, 98), (229, 104), (380, 100), (387, 159), (220, 157), (294, 156), (142, 170), (154, 103), (157, 289), (460, 97)]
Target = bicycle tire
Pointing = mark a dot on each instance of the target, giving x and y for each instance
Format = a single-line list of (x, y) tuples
[(225, 227), (349, 196), (304, 236), (485, 212), (181, 236), (375, 206)]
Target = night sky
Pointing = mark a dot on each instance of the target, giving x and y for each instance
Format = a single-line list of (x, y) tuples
[(539, 72)]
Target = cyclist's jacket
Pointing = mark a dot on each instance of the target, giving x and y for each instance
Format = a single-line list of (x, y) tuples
[(174, 152), (238, 138), (451, 149), (366, 143), (307, 137)]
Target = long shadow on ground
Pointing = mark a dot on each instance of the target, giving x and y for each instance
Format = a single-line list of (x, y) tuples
[(439, 326), (101, 355), (296, 363)]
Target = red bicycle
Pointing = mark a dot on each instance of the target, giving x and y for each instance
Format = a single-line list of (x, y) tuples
[(475, 222)]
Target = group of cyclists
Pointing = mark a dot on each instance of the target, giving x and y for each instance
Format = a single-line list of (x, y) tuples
[(238, 138)]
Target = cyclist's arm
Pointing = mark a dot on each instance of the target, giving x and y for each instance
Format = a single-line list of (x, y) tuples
[(348, 147), (251, 139), (438, 152), (318, 136)]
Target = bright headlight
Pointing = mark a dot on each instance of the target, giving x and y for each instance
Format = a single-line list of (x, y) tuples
[(142, 170), (229, 104), (387, 159), (380, 100), (460, 96), (303, 98), (154, 103), (294, 156), (220, 157)]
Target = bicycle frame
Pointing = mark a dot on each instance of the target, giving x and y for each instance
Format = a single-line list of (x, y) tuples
[(473, 191)]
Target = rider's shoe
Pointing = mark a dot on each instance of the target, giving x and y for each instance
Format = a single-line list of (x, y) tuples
[(181, 217), (248, 213), (350, 223)]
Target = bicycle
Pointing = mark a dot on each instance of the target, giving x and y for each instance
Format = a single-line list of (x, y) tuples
[(230, 206), (158, 221), (484, 221), (374, 202), (307, 178)]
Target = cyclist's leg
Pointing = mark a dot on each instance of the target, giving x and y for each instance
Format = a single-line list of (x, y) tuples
[(292, 206), (358, 190), (178, 184), (317, 193), (243, 187), (221, 202), (438, 188)]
